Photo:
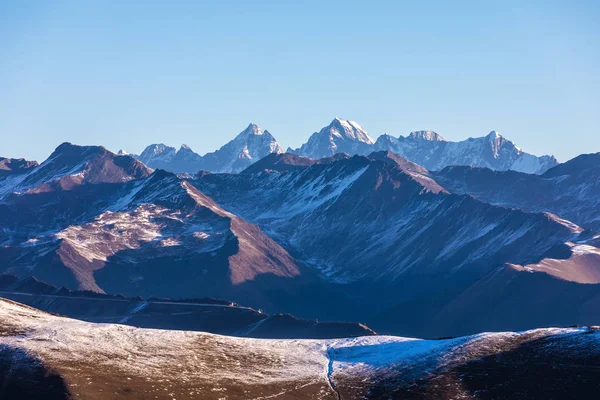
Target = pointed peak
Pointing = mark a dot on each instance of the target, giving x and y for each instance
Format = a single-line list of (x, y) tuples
[(493, 135), (337, 121), (427, 135), (348, 129), (251, 129)]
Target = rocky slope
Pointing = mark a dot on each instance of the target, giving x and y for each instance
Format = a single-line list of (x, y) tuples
[(382, 211), (383, 230), (92, 220)]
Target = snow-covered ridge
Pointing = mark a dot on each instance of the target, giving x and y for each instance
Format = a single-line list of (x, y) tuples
[(247, 147), (426, 148), (182, 363)]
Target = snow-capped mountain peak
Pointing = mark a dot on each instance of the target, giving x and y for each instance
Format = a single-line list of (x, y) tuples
[(494, 136), (248, 146), (427, 135), (252, 129), (340, 136), (157, 153), (349, 130)]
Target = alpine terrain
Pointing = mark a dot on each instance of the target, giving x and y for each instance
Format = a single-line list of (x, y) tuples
[(305, 260)]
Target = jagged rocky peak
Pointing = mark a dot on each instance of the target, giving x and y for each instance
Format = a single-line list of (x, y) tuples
[(427, 135)]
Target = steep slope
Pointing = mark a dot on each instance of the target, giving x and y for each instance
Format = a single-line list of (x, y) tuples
[(493, 151), (246, 148), (131, 231), (69, 358), (382, 211), (570, 190), (340, 136), (89, 219)]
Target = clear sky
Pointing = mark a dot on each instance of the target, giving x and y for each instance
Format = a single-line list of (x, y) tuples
[(126, 74)]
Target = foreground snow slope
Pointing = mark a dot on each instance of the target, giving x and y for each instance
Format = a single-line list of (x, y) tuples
[(107, 360)]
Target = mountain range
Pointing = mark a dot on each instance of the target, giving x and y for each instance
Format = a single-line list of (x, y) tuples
[(247, 147), (426, 148), (370, 238)]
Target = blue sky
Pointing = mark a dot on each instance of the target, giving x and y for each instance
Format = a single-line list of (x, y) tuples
[(194, 72)]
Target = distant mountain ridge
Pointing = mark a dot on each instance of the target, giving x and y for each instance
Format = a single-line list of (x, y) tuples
[(493, 151), (247, 147), (340, 136), (426, 148)]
